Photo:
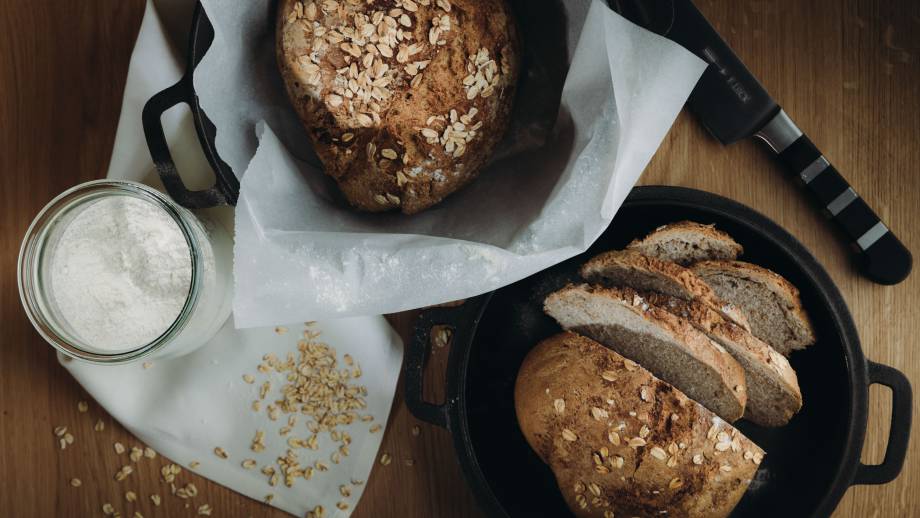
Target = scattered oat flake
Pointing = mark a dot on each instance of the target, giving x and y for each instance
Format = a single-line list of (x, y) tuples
[(416, 431), (99, 426), (148, 365), (123, 473), (108, 509), (75, 482), (119, 448), (155, 499), (137, 514), (194, 464), (249, 378), (82, 407), (59, 431), (559, 405), (385, 459), (204, 510), (281, 330), (220, 452), (131, 496), (150, 453), (375, 428)]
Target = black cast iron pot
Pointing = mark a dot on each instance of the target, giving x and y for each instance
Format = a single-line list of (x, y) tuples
[(810, 463)]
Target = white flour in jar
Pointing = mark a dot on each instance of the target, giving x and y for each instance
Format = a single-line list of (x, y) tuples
[(120, 273)]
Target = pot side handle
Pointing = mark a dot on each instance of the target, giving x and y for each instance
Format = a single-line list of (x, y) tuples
[(416, 359), (462, 321), (899, 432)]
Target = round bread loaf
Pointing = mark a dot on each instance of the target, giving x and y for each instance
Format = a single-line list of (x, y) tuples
[(404, 100), (621, 442)]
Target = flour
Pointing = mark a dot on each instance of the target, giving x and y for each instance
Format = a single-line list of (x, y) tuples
[(120, 273)]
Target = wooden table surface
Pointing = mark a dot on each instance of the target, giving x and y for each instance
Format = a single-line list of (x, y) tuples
[(847, 71)]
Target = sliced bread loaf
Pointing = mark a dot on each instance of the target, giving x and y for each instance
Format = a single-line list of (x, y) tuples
[(772, 386), (621, 442), (769, 301), (634, 270), (687, 242), (668, 346)]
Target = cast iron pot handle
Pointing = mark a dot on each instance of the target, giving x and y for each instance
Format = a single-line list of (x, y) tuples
[(462, 321), (226, 187), (898, 434)]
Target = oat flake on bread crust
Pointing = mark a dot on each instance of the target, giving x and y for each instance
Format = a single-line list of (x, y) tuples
[(404, 100)]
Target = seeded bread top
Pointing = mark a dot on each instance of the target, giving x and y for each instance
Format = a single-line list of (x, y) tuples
[(404, 100), (621, 442)]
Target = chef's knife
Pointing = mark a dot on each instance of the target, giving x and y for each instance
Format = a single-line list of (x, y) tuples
[(732, 105)]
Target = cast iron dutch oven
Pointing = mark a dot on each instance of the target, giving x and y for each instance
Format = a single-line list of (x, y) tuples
[(810, 463)]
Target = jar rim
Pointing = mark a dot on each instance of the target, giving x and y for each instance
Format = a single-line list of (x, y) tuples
[(31, 254)]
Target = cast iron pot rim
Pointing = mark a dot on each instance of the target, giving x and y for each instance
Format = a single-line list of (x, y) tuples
[(857, 369)]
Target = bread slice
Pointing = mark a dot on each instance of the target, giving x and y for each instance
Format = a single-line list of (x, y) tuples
[(687, 242), (772, 386), (770, 302), (659, 341), (581, 408), (641, 272)]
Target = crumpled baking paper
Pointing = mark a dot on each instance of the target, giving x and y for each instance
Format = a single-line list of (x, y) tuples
[(302, 254)]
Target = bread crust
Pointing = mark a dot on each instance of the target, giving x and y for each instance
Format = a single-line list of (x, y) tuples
[(687, 284), (672, 449), (404, 101)]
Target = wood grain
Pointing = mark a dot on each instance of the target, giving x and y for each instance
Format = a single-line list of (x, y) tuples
[(846, 70)]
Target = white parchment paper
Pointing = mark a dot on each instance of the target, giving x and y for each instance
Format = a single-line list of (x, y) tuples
[(302, 254)]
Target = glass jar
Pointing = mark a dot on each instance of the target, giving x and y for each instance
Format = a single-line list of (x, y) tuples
[(207, 304)]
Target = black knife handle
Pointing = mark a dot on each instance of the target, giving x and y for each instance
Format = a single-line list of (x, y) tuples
[(881, 256)]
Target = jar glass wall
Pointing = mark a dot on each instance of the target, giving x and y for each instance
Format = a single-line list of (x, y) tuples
[(207, 301)]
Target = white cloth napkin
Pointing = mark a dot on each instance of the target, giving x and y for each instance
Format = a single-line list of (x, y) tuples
[(186, 407), (544, 200)]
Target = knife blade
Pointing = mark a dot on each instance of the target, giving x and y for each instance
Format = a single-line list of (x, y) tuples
[(732, 104)]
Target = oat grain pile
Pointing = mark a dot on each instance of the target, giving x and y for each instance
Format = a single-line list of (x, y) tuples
[(318, 398), (404, 100)]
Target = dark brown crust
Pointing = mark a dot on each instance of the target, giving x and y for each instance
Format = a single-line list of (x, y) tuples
[(692, 287), (570, 367), (423, 174)]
